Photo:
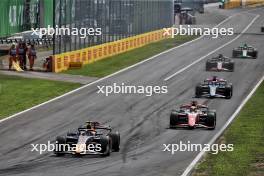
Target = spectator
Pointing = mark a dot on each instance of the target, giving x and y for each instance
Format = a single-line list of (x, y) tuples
[(20, 52), (12, 55), (47, 65), (24, 59), (32, 55)]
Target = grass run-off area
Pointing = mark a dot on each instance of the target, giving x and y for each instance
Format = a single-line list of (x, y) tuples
[(247, 135), (18, 94), (112, 64)]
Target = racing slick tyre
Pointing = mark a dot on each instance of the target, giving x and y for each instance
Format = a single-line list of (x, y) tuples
[(115, 141), (236, 53), (228, 91), (173, 119), (231, 66), (60, 141), (211, 120), (262, 29), (105, 146), (198, 91), (254, 54), (208, 66)]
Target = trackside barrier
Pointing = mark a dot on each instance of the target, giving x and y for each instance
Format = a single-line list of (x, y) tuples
[(232, 4), (239, 3), (60, 62), (254, 2)]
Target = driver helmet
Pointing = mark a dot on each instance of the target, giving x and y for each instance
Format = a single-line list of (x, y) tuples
[(90, 128), (89, 125), (194, 103), (214, 78), (193, 108)]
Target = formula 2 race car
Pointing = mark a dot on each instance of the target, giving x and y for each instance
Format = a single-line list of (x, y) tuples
[(245, 51), (193, 115), (214, 87), (92, 138), (220, 63)]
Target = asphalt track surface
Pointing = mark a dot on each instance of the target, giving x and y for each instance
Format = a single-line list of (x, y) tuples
[(142, 121)]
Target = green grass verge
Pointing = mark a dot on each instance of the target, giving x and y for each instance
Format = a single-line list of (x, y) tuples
[(112, 64), (247, 135), (18, 94)]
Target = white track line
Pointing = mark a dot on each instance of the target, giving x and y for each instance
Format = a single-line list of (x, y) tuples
[(203, 57), (87, 85), (217, 135), (127, 68)]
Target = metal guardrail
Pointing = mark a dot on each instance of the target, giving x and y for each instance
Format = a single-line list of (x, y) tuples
[(28, 41), (118, 19)]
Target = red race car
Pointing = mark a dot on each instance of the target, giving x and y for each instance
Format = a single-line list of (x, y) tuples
[(193, 115)]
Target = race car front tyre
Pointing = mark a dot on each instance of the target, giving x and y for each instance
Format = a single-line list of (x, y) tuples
[(198, 91), (60, 146), (173, 118), (230, 66), (211, 120), (115, 141), (262, 29), (254, 54), (228, 92)]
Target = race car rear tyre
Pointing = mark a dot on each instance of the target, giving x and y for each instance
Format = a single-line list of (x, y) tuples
[(115, 141), (208, 66), (262, 29), (60, 141), (211, 120), (235, 53), (173, 118), (105, 146)]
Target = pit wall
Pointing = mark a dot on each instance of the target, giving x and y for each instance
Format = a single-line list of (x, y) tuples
[(90, 55), (238, 3)]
